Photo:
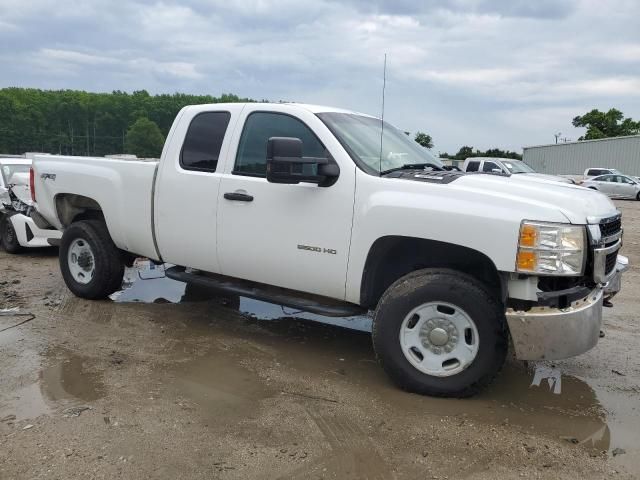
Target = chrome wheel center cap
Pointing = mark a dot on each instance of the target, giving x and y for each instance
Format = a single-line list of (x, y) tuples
[(439, 337)]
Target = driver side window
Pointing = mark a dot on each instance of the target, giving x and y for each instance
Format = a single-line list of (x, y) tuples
[(251, 159)]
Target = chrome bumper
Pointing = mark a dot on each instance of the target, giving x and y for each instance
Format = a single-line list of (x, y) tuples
[(544, 333), (614, 284)]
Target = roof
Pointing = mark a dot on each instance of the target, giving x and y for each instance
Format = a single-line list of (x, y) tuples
[(500, 159), (307, 106), (608, 139)]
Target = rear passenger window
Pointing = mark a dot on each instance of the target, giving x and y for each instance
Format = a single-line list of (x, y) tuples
[(473, 166), (489, 167), (203, 141), (259, 127)]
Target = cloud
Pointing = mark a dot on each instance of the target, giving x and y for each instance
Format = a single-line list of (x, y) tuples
[(463, 70)]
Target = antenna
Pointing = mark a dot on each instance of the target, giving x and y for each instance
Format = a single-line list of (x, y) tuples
[(384, 85)]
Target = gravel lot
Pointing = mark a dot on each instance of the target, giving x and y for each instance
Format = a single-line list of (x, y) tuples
[(198, 389)]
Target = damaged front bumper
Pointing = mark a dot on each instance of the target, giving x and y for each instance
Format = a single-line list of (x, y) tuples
[(547, 333)]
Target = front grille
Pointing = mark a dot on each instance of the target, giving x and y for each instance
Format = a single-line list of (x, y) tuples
[(610, 262), (610, 226)]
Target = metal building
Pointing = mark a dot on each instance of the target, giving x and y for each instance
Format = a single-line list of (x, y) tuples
[(573, 158)]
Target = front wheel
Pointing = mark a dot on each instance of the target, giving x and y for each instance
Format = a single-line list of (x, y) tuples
[(440, 332), (9, 237), (90, 263)]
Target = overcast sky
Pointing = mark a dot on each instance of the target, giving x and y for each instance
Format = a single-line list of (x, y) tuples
[(477, 72)]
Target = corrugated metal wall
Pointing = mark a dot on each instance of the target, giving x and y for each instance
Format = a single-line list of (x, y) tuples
[(574, 158)]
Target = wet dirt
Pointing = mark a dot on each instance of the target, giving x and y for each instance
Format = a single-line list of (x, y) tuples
[(180, 384)]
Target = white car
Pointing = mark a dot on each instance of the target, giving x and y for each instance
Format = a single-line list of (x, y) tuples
[(17, 228), (320, 209), (508, 166), (615, 185)]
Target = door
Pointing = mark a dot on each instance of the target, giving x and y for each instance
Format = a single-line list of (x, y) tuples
[(605, 184), (489, 166), (627, 186), (186, 196), (292, 236)]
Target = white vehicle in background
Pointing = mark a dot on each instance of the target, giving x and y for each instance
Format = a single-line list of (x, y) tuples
[(508, 166), (615, 185), (17, 228), (592, 172)]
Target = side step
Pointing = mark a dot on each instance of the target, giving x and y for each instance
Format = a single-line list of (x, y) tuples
[(282, 296)]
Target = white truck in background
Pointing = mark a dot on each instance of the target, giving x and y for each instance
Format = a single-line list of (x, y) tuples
[(301, 205), (508, 166)]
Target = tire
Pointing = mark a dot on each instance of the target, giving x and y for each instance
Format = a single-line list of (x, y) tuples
[(9, 238), (638, 196), (443, 297), (96, 274)]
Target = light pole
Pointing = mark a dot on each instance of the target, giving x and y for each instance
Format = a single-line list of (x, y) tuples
[(557, 135)]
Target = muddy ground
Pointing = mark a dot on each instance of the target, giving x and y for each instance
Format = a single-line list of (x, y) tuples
[(199, 389)]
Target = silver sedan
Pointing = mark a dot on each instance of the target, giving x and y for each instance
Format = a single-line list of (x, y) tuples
[(615, 186)]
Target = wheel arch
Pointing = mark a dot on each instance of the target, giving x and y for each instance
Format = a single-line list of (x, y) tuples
[(392, 257), (71, 207)]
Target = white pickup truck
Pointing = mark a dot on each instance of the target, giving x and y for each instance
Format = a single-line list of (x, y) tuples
[(320, 209)]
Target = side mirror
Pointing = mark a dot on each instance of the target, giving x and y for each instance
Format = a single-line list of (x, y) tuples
[(285, 164), (496, 170)]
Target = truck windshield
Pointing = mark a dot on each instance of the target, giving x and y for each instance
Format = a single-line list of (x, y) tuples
[(516, 166), (360, 135)]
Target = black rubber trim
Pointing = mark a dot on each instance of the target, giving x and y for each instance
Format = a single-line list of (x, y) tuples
[(282, 296), (562, 298)]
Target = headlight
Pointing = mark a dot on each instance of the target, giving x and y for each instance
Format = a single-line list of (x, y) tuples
[(551, 249)]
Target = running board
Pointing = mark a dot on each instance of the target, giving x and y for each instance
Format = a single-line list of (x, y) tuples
[(281, 296)]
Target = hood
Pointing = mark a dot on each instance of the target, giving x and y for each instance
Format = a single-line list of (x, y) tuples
[(544, 176), (574, 202)]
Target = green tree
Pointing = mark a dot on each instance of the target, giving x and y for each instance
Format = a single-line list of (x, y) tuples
[(73, 122), (466, 152), (144, 139), (606, 124), (423, 139)]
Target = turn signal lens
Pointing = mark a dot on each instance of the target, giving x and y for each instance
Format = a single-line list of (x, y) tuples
[(527, 260), (528, 235)]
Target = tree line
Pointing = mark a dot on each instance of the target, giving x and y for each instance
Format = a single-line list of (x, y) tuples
[(72, 122)]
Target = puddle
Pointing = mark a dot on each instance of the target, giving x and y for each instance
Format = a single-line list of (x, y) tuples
[(62, 382), (140, 286)]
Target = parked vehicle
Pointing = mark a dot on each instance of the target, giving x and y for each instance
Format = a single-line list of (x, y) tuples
[(596, 172), (615, 186), (318, 209), (17, 228), (507, 166)]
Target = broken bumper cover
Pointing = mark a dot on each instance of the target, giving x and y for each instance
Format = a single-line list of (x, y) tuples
[(544, 333)]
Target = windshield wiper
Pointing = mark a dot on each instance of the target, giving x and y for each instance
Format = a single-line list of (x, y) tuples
[(412, 166)]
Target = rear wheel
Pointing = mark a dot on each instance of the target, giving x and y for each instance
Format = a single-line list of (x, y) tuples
[(638, 196), (440, 332), (8, 236), (90, 263)]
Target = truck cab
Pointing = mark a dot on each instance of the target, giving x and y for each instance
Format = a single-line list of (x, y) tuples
[(328, 211)]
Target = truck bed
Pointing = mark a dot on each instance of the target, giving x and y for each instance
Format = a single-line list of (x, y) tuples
[(122, 188)]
